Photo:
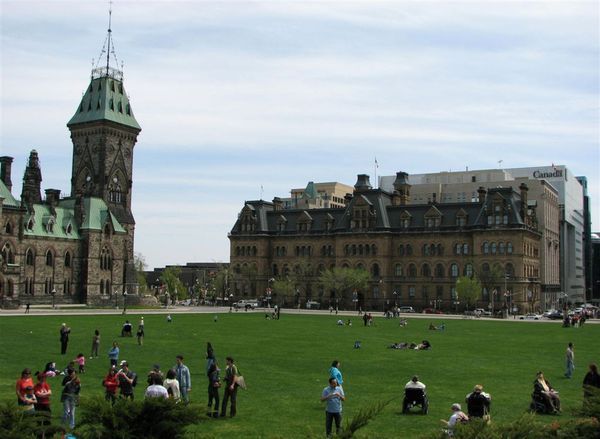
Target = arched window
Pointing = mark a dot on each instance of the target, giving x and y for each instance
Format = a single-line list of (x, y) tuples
[(49, 259), (494, 248), (8, 228), (509, 270), (375, 270), (439, 271), (373, 249), (440, 250), (409, 250), (509, 248), (360, 249), (29, 257), (454, 270), (101, 287), (398, 270), (67, 259), (412, 270), (401, 250), (425, 270), (465, 249), (457, 249), (486, 248), (501, 248), (7, 254), (485, 267), (469, 270), (426, 250)]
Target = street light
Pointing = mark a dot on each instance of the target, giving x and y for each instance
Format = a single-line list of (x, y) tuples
[(53, 293), (116, 294), (125, 301)]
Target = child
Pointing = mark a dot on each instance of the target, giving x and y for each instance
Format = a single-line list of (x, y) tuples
[(30, 400), (81, 361), (111, 384), (169, 318)]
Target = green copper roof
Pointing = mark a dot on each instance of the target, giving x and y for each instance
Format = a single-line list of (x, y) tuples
[(310, 192), (9, 200), (105, 99), (42, 223), (64, 225)]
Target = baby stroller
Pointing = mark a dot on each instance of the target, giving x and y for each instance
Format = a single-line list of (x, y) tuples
[(413, 398)]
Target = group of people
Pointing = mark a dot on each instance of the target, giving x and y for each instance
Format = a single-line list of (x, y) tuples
[(424, 345)]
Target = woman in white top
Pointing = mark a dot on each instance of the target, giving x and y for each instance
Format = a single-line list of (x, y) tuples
[(172, 385)]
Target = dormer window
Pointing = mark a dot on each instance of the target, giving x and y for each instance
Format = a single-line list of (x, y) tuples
[(8, 228), (69, 229), (30, 224), (405, 220), (50, 226)]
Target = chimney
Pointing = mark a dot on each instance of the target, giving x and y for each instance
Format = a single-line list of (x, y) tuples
[(481, 194), (348, 198), (401, 194), (362, 183), (524, 189), (52, 197), (5, 166), (277, 204)]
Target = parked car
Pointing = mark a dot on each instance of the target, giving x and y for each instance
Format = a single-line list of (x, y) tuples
[(310, 304), (481, 312), (407, 309), (553, 314), (531, 316), (432, 311), (246, 304)]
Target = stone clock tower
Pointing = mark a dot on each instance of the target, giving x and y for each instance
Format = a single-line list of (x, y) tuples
[(104, 132)]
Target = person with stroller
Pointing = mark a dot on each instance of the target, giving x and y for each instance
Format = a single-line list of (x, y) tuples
[(478, 403), (544, 393)]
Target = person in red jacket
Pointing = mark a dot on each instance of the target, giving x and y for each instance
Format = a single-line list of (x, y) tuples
[(23, 383), (111, 384), (42, 393)]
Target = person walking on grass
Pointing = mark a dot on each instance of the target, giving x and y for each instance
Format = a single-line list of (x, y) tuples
[(333, 395), (70, 397), (570, 359), (95, 344), (183, 377), (64, 338), (113, 354)]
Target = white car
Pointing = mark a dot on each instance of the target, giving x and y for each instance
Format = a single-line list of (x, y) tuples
[(531, 316)]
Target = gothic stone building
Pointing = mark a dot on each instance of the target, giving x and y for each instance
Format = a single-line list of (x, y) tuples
[(414, 253), (78, 248)]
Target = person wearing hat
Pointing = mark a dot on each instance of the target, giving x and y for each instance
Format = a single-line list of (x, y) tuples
[(478, 402), (458, 416), (30, 400), (127, 380)]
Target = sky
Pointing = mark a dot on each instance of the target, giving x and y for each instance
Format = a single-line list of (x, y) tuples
[(244, 100)]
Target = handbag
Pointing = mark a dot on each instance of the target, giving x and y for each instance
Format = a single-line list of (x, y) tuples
[(240, 381)]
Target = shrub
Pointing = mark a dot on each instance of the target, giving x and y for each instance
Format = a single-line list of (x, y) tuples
[(149, 418), (16, 424)]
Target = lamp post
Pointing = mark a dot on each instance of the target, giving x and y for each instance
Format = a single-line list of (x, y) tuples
[(125, 301), (230, 301), (116, 294), (53, 293), (355, 299)]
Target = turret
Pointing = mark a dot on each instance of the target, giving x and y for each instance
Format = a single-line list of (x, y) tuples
[(362, 183), (32, 180), (401, 195), (5, 169)]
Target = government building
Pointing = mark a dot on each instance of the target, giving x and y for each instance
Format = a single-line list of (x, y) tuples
[(413, 252), (78, 248)]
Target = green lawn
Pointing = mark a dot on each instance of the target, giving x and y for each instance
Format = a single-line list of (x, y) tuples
[(285, 364)]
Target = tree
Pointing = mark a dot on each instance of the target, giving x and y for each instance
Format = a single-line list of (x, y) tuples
[(170, 278), (284, 288), (468, 289), (343, 280), (139, 263), (220, 282)]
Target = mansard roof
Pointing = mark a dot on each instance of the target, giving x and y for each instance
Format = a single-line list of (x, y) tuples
[(8, 199), (387, 216), (105, 100)]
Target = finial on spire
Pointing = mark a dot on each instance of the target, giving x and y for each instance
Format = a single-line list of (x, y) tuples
[(109, 48)]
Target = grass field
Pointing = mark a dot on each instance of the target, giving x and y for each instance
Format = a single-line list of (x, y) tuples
[(285, 364)]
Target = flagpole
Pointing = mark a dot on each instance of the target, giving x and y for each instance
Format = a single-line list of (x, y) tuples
[(375, 166)]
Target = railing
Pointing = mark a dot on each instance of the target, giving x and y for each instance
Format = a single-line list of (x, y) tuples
[(111, 72)]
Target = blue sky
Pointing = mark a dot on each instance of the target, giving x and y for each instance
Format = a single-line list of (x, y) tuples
[(232, 96)]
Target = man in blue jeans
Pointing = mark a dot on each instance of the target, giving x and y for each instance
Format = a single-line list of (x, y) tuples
[(333, 395)]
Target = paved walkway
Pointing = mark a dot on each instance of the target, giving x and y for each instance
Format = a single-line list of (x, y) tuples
[(43, 310)]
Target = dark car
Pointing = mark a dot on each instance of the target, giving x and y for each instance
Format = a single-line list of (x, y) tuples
[(554, 315)]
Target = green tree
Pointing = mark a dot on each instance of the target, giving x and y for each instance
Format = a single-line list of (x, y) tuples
[(139, 263), (220, 283), (342, 281), (468, 289), (170, 278), (284, 289)]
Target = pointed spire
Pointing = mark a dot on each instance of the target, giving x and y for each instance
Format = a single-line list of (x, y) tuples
[(109, 48), (32, 180)]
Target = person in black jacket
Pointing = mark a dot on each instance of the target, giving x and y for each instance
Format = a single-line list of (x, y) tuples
[(543, 390), (478, 402), (591, 382)]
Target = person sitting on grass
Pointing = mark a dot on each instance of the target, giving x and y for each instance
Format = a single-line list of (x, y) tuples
[(457, 417), (424, 345), (478, 403), (543, 390), (403, 323), (432, 327)]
